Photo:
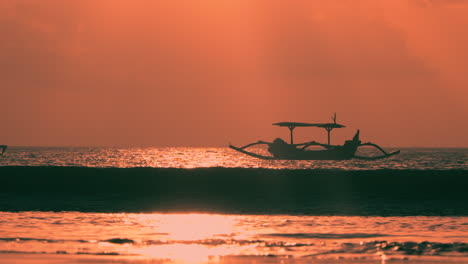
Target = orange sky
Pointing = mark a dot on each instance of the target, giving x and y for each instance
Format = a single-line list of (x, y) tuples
[(205, 73)]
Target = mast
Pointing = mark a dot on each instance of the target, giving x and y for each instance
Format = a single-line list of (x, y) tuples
[(330, 128)]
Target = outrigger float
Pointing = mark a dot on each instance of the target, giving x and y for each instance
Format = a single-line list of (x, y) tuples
[(281, 150)]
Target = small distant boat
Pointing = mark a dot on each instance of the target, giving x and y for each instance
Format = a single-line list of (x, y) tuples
[(3, 148), (281, 150)]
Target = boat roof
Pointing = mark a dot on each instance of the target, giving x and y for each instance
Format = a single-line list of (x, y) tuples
[(298, 124)]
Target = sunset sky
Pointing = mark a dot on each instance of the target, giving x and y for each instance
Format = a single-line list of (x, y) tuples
[(210, 72)]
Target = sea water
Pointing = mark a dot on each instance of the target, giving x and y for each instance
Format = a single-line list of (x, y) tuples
[(201, 204)]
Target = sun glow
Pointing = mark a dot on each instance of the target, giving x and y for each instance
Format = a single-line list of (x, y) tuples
[(196, 226), (193, 236)]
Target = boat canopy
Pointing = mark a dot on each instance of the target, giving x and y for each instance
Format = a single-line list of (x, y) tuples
[(291, 125), (297, 124)]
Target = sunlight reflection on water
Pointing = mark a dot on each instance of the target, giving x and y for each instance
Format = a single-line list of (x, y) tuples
[(195, 238), (221, 157)]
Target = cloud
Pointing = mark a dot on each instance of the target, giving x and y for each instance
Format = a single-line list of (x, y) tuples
[(345, 46)]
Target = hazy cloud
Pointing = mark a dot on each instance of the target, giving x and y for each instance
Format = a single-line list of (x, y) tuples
[(203, 72)]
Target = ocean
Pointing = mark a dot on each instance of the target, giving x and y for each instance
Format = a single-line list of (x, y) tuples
[(200, 205)]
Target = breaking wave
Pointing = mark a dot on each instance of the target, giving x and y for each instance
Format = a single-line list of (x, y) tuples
[(235, 190)]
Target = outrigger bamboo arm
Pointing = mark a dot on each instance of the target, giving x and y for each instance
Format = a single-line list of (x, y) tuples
[(374, 145), (256, 143), (253, 154), (386, 154), (305, 144)]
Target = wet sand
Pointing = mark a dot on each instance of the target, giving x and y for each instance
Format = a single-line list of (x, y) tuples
[(20, 258)]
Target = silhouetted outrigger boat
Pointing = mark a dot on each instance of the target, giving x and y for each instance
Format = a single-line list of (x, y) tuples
[(280, 150), (3, 148)]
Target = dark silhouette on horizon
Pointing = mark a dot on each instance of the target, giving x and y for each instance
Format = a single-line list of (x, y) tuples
[(3, 147), (280, 150)]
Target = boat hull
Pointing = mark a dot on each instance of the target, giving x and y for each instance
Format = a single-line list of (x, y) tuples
[(280, 150), (289, 152)]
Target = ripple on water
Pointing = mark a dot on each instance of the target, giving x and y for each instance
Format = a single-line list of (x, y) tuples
[(221, 157)]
